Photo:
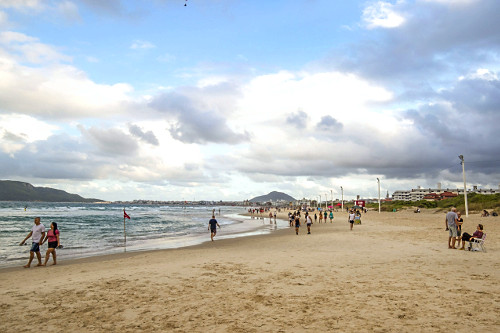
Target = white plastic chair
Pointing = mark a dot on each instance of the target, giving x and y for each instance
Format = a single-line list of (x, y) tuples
[(477, 244)]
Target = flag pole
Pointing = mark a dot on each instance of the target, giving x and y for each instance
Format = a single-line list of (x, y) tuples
[(124, 231)]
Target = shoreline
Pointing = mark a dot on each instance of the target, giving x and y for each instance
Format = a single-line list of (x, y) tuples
[(392, 273)]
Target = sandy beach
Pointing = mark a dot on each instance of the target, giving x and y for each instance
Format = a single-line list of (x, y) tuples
[(393, 273)]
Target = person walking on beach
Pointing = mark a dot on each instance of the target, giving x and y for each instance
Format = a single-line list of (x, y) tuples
[(37, 233), (212, 226), (297, 224), (351, 218), (320, 217), (54, 242), (451, 226), (331, 217), (325, 214), (309, 222)]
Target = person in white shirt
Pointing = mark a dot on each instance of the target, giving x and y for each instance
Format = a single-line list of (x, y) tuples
[(308, 223), (37, 234), (351, 218)]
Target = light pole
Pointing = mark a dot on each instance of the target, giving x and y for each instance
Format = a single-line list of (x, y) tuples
[(331, 197), (461, 157), (378, 181), (320, 201), (342, 190), (326, 201)]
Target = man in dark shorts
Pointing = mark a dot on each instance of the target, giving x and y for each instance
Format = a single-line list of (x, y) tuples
[(37, 234), (212, 226)]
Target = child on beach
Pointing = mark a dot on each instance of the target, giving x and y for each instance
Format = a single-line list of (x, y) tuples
[(320, 217)]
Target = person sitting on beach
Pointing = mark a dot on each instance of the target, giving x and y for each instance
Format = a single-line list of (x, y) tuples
[(478, 234), (485, 213), (54, 242), (212, 226)]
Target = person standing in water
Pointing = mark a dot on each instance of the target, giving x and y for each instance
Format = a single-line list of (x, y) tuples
[(53, 238), (212, 226)]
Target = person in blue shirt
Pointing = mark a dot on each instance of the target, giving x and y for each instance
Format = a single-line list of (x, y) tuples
[(212, 226)]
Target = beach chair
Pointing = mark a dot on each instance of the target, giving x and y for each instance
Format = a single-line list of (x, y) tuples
[(478, 244)]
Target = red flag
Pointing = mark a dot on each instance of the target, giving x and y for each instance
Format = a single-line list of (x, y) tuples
[(125, 215)]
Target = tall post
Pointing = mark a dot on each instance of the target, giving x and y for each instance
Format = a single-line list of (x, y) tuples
[(461, 157), (378, 181), (320, 201), (124, 231), (331, 197), (342, 190), (326, 201)]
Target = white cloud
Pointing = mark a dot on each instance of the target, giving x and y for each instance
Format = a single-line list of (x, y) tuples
[(20, 4), (142, 44), (54, 89), (382, 14)]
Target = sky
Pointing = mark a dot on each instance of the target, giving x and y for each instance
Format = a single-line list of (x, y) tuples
[(228, 99)]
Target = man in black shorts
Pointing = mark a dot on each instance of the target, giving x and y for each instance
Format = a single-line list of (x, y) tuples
[(212, 226)]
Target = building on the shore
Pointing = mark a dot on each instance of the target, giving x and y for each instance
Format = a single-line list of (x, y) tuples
[(438, 193)]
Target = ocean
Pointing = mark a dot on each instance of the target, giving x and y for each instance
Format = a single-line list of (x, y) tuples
[(97, 229)]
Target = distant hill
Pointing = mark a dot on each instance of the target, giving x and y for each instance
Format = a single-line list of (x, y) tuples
[(273, 196), (19, 191)]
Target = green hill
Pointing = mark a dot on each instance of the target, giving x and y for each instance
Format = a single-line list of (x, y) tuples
[(19, 191), (273, 196)]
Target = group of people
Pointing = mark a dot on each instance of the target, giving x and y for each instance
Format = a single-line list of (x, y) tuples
[(325, 214), (454, 224), (38, 238)]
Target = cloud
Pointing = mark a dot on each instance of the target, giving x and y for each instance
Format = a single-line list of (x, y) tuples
[(328, 123), (148, 136), (298, 119), (382, 14), (142, 44), (51, 88), (198, 115), (110, 141), (69, 10)]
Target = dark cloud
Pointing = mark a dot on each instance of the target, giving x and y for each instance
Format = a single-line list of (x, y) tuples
[(148, 136), (298, 119), (328, 123), (110, 141), (13, 137), (475, 95), (435, 40), (199, 114)]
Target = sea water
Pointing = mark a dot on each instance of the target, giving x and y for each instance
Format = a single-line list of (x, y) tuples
[(98, 229)]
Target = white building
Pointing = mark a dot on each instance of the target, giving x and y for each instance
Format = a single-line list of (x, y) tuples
[(419, 193)]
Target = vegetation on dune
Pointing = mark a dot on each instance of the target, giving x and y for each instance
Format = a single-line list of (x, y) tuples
[(476, 202)]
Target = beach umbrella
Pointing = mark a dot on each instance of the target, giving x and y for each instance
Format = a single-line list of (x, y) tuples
[(356, 207), (339, 204)]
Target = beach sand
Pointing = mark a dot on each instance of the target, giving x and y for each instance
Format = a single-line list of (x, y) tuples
[(393, 273)]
